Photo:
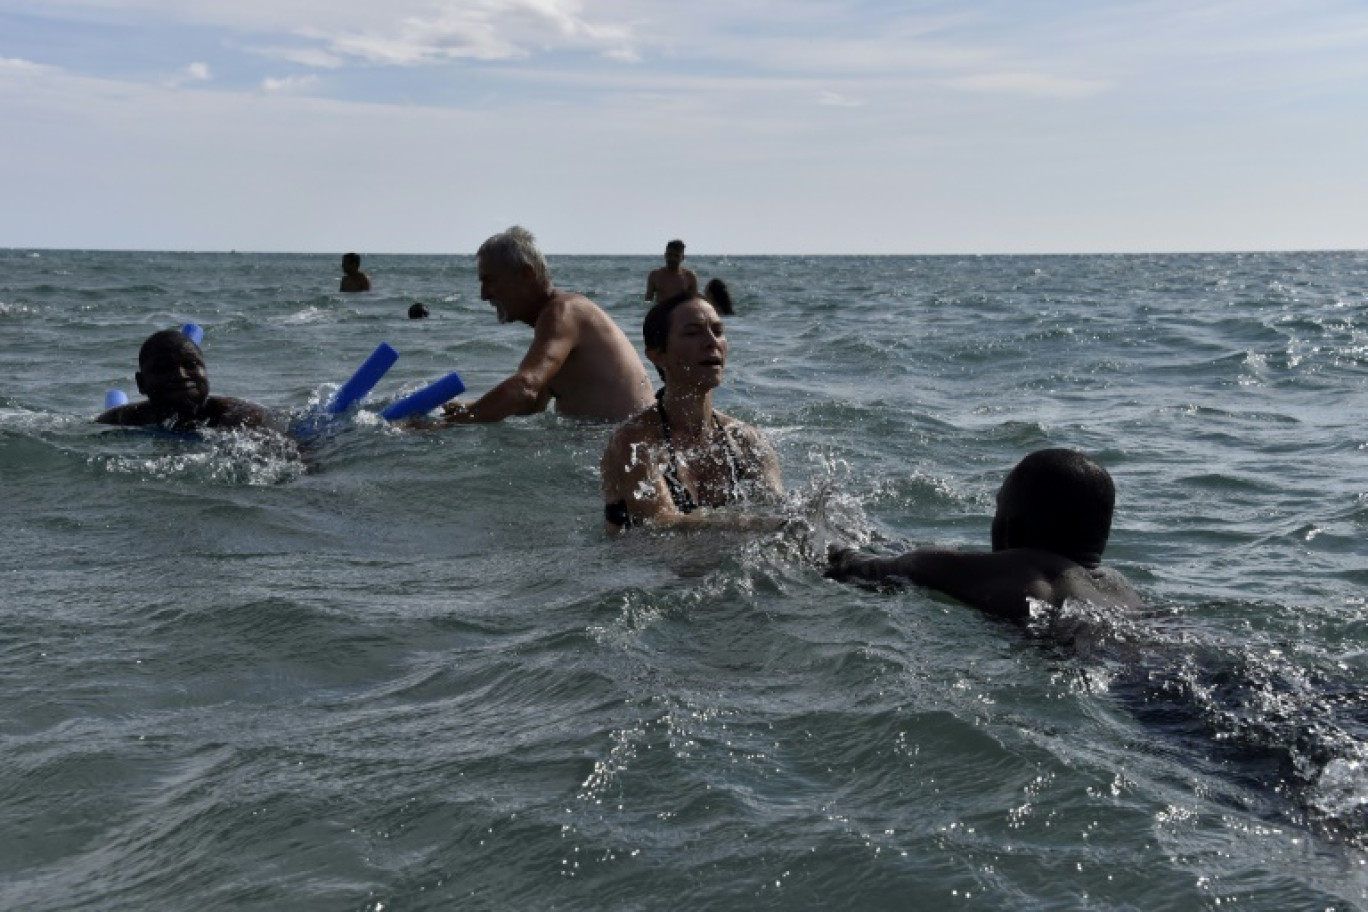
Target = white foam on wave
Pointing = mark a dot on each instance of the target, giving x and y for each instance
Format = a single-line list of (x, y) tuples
[(1342, 787), (220, 457), (310, 314)]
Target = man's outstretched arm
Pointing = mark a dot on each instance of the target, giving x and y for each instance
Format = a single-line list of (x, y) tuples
[(528, 390), (1000, 583)]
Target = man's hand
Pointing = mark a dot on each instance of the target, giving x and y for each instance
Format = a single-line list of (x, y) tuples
[(845, 563), (869, 571), (456, 412)]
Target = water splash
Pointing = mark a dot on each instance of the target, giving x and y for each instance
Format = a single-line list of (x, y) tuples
[(217, 457), (1291, 725)]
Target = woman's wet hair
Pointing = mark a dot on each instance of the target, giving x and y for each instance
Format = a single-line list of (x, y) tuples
[(655, 328), (719, 296), (1058, 500)]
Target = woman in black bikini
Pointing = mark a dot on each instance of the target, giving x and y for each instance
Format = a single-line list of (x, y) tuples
[(681, 455)]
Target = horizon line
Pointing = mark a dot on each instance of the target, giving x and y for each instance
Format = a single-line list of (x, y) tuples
[(656, 254)]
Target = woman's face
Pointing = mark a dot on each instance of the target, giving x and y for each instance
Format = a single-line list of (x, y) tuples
[(695, 353)]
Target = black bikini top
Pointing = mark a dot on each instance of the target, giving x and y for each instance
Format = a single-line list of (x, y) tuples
[(617, 513), (679, 493)]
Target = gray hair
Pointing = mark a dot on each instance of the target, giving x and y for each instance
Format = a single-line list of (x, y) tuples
[(514, 249)]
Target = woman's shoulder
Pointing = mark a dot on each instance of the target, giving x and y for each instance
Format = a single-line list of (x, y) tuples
[(738, 428), (621, 456), (728, 421), (641, 427)]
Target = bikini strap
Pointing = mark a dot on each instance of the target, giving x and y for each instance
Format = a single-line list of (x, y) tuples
[(731, 457), (679, 493)]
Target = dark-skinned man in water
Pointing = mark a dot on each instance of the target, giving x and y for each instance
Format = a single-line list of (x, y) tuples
[(1054, 513), (173, 376), (578, 356)]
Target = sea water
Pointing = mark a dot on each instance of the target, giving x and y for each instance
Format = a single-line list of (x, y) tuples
[(390, 669)]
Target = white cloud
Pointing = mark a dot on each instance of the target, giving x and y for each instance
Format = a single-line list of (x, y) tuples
[(17, 65), (396, 32), (195, 72), (484, 30), (1034, 85), (310, 57), (288, 84), (837, 100), (623, 55)]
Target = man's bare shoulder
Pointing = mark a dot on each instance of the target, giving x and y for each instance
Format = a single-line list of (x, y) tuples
[(570, 305), (134, 414), (1046, 576), (225, 412), (562, 315), (1099, 585), (231, 412), (569, 309)]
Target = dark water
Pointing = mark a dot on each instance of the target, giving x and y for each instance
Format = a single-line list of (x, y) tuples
[(406, 670)]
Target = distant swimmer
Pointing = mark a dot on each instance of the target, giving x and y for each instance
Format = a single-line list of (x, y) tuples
[(173, 377), (578, 355), (719, 296), (417, 311), (353, 279), (670, 464), (1053, 518), (671, 279)]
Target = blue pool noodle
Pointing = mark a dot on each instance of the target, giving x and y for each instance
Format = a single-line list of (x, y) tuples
[(115, 398), (426, 399), (194, 332), (364, 380)]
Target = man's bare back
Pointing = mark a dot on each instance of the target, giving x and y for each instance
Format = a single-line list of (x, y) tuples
[(602, 376)]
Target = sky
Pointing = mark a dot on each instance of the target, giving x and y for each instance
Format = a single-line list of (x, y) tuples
[(754, 127)]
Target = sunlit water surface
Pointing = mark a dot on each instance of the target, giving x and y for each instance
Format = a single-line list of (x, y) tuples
[(398, 670)]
